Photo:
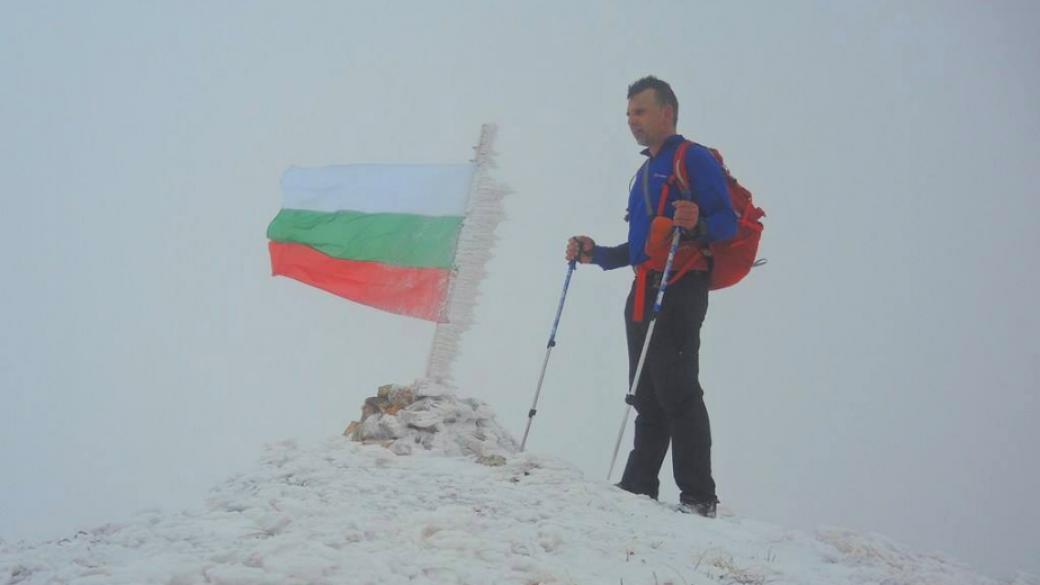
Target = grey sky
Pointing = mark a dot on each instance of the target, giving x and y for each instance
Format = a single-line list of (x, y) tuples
[(880, 373)]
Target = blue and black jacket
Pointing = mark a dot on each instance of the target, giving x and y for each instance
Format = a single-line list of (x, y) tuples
[(718, 221)]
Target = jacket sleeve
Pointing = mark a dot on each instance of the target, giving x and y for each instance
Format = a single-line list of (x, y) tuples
[(610, 257), (711, 193)]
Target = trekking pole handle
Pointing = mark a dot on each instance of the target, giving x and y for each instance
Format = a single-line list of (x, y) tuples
[(571, 267)]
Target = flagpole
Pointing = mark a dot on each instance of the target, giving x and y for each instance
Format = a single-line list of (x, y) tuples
[(473, 250)]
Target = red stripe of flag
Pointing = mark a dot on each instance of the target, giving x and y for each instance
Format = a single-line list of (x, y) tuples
[(416, 292)]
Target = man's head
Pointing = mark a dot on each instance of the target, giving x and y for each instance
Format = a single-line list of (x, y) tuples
[(652, 111)]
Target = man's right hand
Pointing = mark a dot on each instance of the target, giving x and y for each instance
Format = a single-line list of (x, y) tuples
[(580, 248)]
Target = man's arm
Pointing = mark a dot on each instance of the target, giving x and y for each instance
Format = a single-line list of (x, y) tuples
[(718, 221), (584, 249), (610, 257)]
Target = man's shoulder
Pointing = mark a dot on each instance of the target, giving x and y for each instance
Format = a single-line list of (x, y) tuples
[(699, 151), (699, 156)]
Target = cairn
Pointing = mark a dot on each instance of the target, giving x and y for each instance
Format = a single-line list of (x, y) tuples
[(405, 418)]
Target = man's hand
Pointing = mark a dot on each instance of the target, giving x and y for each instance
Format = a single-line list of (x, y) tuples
[(580, 248), (686, 214)]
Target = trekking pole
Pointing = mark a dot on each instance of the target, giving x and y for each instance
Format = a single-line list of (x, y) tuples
[(630, 397), (548, 349)]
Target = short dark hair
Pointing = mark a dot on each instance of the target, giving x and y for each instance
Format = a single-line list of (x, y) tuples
[(662, 92)]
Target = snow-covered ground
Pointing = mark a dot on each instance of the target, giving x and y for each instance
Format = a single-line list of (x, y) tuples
[(340, 512)]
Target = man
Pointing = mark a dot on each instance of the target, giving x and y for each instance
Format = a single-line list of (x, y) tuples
[(669, 401)]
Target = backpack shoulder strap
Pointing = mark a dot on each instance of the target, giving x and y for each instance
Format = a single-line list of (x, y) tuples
[(679, 170), (679, 177)]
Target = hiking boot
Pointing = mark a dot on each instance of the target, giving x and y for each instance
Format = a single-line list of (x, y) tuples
[(706, 509)]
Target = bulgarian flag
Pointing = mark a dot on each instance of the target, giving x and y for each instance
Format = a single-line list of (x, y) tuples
[(409, 239), (381, 235)]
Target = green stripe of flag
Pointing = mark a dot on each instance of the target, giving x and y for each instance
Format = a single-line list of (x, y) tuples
[(399, 239)]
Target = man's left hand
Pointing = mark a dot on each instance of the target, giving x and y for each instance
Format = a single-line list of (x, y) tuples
[(686, 214)]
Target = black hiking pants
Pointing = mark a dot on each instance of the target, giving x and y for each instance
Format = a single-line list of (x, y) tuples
[(669, 401)]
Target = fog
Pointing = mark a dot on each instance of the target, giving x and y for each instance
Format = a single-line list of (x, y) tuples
[(880, 373)]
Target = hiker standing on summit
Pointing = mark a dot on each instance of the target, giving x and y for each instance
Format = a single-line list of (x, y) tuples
[(669, 400)]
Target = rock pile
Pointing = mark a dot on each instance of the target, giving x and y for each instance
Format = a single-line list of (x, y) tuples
[(404, 418)]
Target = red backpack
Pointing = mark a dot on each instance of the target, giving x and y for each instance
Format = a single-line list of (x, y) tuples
[(732, 259)]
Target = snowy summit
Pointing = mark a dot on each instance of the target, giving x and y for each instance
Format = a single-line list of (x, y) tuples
[(457, 505)]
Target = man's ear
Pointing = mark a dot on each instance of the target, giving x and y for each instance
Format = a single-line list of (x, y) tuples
[(671, 109)]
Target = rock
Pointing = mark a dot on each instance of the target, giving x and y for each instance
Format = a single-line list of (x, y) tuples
[(352, 429), (373, 429), (423, 420), (401, 396), (371, 406), (491, 460), (401, 447)]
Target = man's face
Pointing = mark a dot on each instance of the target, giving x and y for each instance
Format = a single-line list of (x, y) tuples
[(649, 121)]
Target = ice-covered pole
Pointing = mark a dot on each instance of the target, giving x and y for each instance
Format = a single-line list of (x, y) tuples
[(473, 251)]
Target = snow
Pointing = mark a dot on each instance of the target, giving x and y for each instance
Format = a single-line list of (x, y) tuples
[(341, 512)]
